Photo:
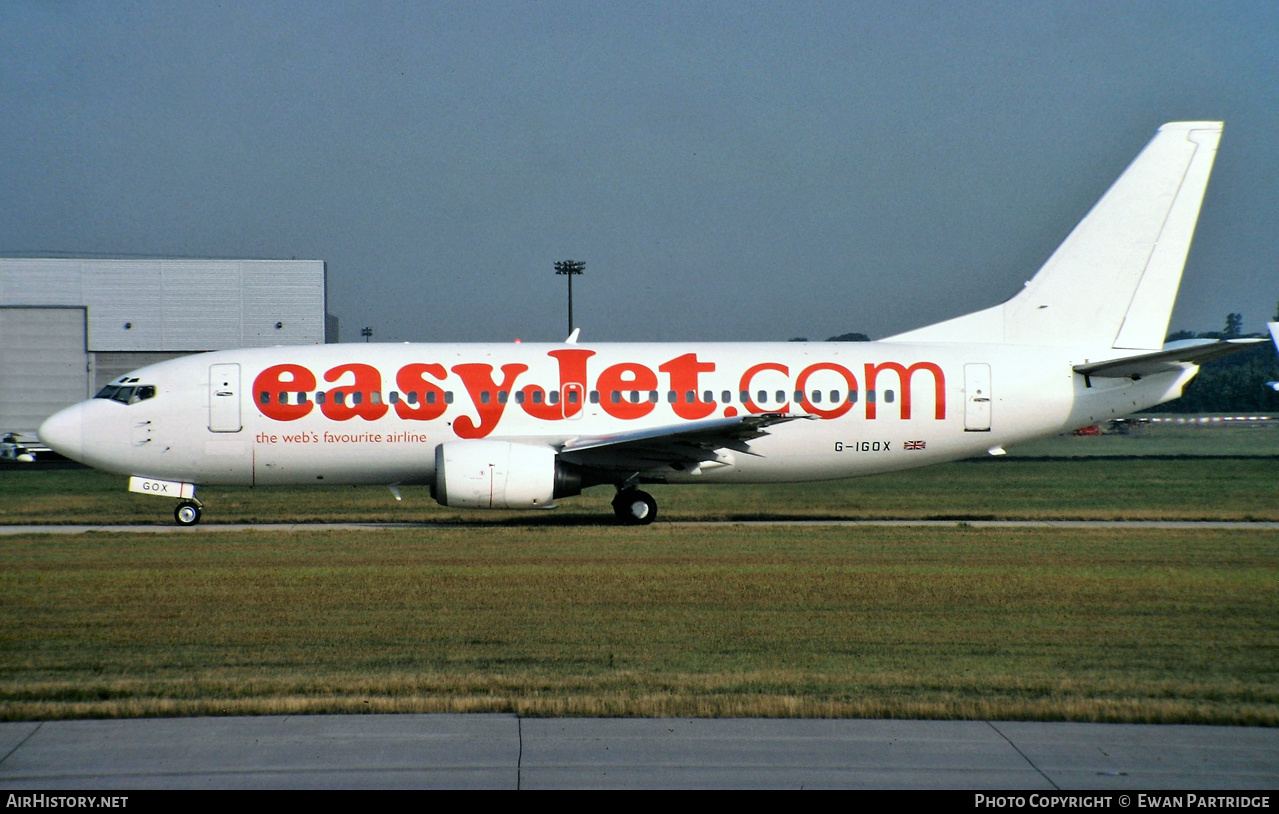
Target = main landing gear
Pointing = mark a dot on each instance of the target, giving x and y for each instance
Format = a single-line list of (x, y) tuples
[(187, 513), (634, 508)]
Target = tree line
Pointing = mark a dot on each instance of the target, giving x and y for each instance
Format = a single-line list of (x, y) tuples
[(1236, 383)]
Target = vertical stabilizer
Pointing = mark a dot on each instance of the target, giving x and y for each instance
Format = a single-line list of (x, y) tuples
[(1114, 280)]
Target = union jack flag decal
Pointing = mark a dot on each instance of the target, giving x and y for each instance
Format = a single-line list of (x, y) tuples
[(914, 445)]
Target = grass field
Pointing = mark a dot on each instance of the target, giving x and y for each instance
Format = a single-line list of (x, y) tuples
[(557, 613), (1110, 625)]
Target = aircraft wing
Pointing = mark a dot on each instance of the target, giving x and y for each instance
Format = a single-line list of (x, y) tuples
[(1161, 361), (683, 447)]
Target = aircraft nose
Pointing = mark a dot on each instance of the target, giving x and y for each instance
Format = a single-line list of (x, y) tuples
[(64, 432)]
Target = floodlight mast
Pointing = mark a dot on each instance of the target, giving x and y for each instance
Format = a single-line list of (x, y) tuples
[(570, 268)]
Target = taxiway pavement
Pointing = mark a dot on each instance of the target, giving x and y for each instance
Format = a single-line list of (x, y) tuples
[(499, 751)]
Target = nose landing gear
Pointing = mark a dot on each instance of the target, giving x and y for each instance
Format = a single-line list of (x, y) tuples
[(187, 513), (188, 509)]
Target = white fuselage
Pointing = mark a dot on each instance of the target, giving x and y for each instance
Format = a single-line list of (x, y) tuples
[(374, 414)]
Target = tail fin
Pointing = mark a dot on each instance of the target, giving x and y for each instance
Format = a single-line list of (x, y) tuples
[(1113, 282)]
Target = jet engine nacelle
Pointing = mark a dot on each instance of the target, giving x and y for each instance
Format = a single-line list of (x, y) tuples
[(482, 474)]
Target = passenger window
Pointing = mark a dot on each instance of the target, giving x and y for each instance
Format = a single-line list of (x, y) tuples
[(448, 396), (553, 397), (485, 397), (888, 396), (595, 397), (727, 396), (394, 396), (319, 397), (708, 397), (263, 397), (357, 397), (375, 397)]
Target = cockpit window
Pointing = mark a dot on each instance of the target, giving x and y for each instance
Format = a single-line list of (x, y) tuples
[(127, 394)]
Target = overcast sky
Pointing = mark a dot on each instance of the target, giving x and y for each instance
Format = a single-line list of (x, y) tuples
[(734, 171)]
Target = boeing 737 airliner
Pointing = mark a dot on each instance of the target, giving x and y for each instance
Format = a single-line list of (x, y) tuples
[(522, 425)]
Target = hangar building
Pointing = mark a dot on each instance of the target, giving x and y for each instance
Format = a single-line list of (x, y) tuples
[(68, 327)]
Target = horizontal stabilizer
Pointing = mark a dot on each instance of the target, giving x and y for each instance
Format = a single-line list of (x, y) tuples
[(1148, 364)]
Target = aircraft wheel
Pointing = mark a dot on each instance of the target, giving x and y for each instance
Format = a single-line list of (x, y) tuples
[(187, 514), (635, 508)]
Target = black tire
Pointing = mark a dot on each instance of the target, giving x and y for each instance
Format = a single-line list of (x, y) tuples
[(634, 508), (187, 513)]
